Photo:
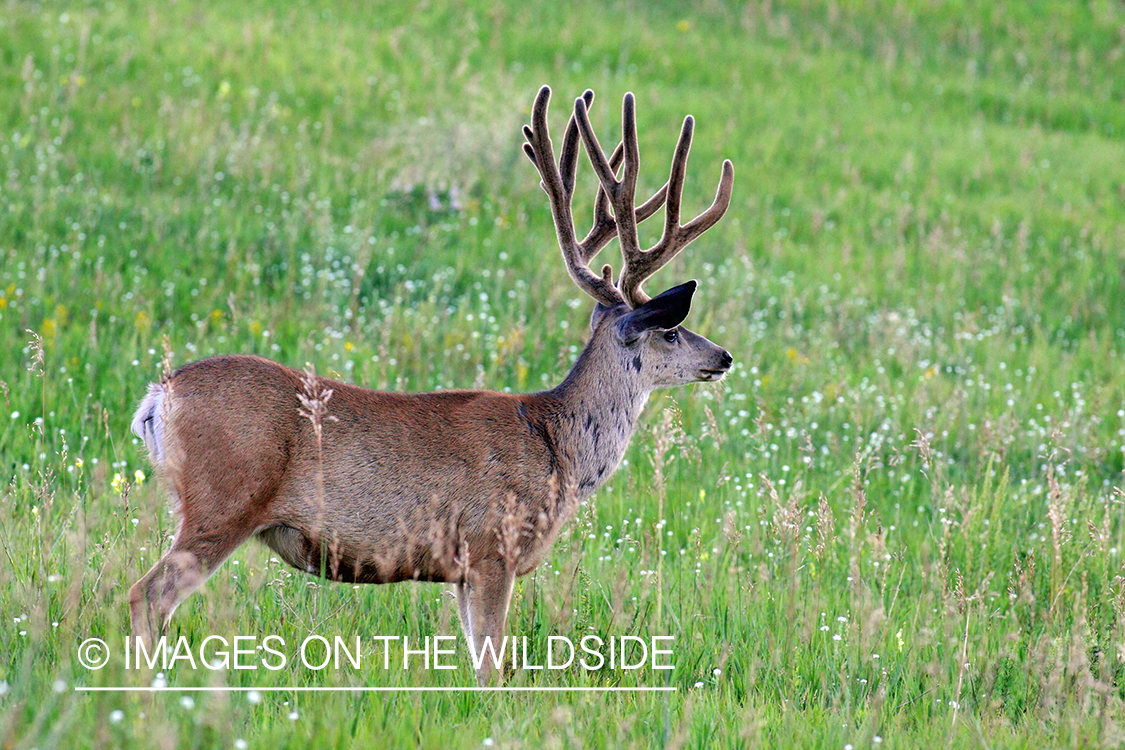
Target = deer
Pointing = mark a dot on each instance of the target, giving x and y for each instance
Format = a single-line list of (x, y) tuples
[(463, 487)]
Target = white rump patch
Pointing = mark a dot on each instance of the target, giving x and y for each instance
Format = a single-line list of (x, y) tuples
[(148, 422)]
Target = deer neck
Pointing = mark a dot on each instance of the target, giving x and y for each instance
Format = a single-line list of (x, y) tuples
[(598, 405)]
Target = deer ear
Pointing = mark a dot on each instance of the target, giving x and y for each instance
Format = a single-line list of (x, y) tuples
[(666, 310), (600, 311)]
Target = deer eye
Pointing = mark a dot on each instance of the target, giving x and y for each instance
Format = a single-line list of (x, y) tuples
[(671, 336)]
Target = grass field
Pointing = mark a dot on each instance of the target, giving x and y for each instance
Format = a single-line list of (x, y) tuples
[(896, 524)]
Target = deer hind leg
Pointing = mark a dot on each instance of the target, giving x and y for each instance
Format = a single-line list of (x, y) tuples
[(194, 555), (484, 613)]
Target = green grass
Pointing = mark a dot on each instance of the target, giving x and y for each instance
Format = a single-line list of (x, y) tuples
[(919, 277)]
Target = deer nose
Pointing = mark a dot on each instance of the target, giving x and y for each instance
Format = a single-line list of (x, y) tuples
[(728, 360)]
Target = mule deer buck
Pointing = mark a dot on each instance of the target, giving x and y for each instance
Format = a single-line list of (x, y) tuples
[(465, 487)]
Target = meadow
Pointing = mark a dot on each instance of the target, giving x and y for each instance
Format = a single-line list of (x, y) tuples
[(896, 523)]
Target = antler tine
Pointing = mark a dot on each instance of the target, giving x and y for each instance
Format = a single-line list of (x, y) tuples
[(715, 211), (621, 193), (676, 178), (559, 187), (643, 264), (605, 227), (649, 207), (606, 174), (568, 161)]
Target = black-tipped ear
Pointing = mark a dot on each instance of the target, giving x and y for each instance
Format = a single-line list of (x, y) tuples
[(666, 310)]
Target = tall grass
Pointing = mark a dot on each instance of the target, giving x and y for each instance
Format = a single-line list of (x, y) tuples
[(896, 523)]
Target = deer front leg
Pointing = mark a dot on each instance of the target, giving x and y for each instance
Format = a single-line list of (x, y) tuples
[(462, 590), (483, 604)]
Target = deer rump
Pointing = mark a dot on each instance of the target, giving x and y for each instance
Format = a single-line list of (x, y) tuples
[(401, 487)]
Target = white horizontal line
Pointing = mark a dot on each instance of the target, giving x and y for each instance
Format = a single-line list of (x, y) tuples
[(315, 689)]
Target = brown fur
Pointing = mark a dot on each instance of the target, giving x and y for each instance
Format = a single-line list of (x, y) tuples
[(467, 487)]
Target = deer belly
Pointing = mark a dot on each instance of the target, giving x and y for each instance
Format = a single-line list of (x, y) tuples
[(347, 529)]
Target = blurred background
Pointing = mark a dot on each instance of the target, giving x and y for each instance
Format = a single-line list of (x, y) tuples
[(897, 521)]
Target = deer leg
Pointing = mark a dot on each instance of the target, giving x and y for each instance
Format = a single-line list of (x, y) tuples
[(489, 596), (191, 560), (463, 594)]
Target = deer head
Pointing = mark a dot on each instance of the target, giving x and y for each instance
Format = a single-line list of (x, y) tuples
[(646, 334)]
